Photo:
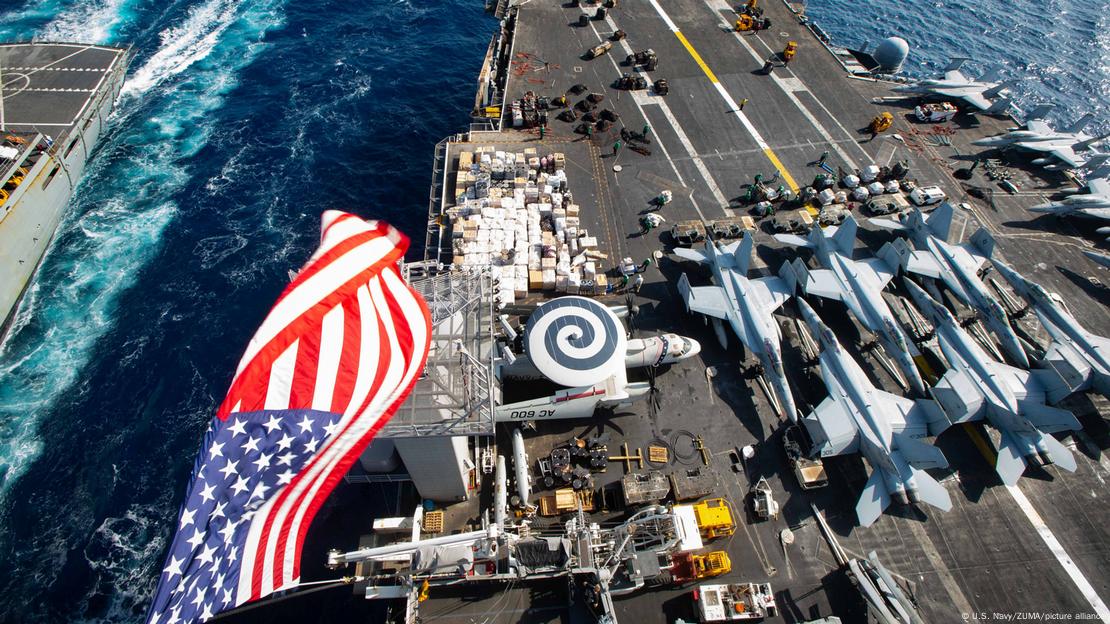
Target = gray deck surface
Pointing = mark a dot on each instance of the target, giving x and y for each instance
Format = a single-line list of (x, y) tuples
[(46, 86), (983, 556)]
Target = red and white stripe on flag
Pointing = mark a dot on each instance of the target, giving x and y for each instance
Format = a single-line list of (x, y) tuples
[(331, 363), (347, 336)]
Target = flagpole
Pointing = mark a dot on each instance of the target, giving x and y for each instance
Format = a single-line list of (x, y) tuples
[(295, 592)]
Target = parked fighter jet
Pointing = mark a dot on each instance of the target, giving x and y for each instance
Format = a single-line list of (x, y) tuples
[(1095, 203), (955, 265), (747, 305), (977, 93), (1077, 355), (857, 284), (1012, 400), (857, 417), (1058, 146)]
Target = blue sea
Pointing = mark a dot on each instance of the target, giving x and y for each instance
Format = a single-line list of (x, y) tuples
[(239, 123)]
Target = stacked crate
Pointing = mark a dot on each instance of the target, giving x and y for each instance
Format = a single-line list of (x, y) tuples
[(513, 212)]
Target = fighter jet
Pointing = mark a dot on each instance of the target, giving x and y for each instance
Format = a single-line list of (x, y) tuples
[(1012, 400), (1057, 146), (977, 93), (857, 417), (1094, 204), (747, 305), (858, 285), (1081, 358), (955, 265)]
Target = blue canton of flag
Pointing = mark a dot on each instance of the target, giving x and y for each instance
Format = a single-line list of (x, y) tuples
[(244, 459)]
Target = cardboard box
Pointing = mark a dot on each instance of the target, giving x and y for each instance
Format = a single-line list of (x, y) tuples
[(535, 280)]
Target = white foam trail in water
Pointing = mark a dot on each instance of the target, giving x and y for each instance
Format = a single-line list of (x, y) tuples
[(126, 202), (94, 22), (183, 44)]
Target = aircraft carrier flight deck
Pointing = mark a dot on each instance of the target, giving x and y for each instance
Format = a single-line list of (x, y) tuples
[(1038, 547)]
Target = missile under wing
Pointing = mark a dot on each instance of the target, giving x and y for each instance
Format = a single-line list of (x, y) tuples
[(747, 304), (957, 266), (883, 427), (858, 285), (1010, 399), (1077, 355)]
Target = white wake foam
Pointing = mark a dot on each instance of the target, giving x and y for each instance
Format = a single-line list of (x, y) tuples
[(114, 230), (95, 21), (184, 44)]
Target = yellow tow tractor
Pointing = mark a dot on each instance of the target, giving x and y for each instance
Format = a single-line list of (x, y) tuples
[(789, 51), (689, 567), (881, 123), (745, 23), (714, 518)]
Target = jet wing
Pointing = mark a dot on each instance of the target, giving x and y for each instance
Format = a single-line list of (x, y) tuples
[(708, 300), (882, 271), (823, 283), (832, 429), (1019, 381), (1067, 155), (968, 260), (916, 419), (923, 263), (959, 396), (955, 75), (772, 292), (1039, 126), (1097, 213), (975, 99)]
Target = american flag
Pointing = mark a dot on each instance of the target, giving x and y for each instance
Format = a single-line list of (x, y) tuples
[(339, 352)]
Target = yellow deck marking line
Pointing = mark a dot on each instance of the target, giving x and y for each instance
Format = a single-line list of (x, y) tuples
[(733, 107)]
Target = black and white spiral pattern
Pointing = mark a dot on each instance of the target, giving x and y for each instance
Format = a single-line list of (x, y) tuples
[(575, 341)]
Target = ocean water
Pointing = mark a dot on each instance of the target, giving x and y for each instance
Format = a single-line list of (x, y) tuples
[(240, 121), (1059, 48)]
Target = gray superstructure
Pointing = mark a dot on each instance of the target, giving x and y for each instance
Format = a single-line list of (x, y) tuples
[(55, 99)]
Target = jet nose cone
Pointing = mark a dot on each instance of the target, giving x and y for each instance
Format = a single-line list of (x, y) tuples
[(988, 141), (1045, 209)]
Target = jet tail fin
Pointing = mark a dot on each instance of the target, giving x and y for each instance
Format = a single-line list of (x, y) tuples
[(1081, 123), (743, 256), (983, 242), (1082, 145), (873, 500), (1040, 112), (999, 88), (844, 239), (939, 221), (790, 276), (1099, 166), (992, 74), (1000, 106), (956, 62)]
